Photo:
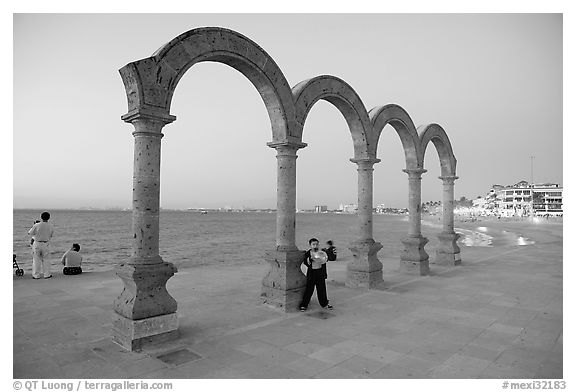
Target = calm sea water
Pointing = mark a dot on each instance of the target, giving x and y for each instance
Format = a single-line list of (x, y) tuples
[(190, 238)]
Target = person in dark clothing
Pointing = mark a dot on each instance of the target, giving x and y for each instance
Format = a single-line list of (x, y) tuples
[(315, 259), (330, 250)]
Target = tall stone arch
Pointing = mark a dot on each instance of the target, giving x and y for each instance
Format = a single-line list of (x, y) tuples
[(448, 252), (365, 270), (414, 255), (150, 83), (144, 310)]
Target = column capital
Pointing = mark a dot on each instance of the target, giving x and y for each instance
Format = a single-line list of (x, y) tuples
[(448, 179), (159, 135), (366, 162), (286, 148), (147, 114), (415, 173)]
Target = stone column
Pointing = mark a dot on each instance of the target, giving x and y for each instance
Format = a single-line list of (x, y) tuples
[(284, 283), (365, 270), (145, 312), (448, 252), (414, 255)]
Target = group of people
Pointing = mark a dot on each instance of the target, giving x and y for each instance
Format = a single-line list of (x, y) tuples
[(42, 233), (315, 260)]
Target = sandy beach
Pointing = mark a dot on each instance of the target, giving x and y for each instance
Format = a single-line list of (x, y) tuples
[(499, 315)]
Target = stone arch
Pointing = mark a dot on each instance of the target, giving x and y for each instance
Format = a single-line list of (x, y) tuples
[(435, 133), (340, 94), (150, 83), (448, 251), (413, 256), (399, 119)]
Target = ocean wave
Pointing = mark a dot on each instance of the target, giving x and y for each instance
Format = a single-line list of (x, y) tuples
[(517, 239), (474, 238)]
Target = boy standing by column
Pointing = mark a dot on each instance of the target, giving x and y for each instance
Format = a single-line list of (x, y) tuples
[(315, 259)]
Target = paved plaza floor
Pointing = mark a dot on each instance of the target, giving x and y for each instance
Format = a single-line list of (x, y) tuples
[(499, 315)]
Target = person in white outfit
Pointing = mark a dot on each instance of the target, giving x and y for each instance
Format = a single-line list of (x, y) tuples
[(42, 233)]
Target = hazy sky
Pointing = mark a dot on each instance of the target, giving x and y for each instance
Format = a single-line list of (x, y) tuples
[(492, 81)]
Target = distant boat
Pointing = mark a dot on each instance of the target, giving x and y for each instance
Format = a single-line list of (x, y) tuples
[(203, 212)]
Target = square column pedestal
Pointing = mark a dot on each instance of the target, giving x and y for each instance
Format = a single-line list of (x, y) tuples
[(135, 334), (414, 256), (145, 313), (284, 284), (448, 252), (365, 270)]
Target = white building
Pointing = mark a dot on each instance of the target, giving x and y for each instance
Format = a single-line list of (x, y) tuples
[(523, 199), (349, 208)]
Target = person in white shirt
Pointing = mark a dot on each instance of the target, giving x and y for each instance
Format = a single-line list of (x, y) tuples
[(42, 233), (72, 261)]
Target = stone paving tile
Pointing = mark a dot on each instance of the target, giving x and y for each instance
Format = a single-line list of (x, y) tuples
[(73, 355), (229, 356), (380, 353), (526, 359), (495, 370), (398, 372), (331, 355), (493, 310), (339, 372), (92, 368), (415, 364), (361, 365), (253, 366), (309, 367), (550, 369), (29, 353), (480, 352), (530, 338), (280, 371), (227, 374), (200, 368), (460, 366), (257, 348), (277, 338), (353, 346), (36, 369), (303, 347), (495, 340), (280, 356), (498, 327), (324, 338), (172, 373), (141, 367), (432, 353)]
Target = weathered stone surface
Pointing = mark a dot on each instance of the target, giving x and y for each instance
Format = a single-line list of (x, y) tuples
[(448, 252), (286, 195), (365, 270), (340, 94), (284, 284), (435, 133), (152, 81), (365, 197), (145, 293), (414, 256), (399, 119), (134, 334)]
